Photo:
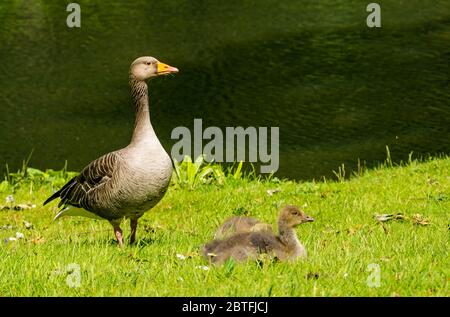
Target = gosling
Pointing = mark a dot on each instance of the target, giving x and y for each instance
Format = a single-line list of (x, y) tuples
[(239, 224), (247, 246)]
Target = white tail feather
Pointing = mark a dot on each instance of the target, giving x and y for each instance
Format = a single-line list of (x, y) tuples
[(74, 211)]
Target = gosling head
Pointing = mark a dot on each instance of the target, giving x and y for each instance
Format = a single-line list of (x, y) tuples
[(146, 67), (292, 216)]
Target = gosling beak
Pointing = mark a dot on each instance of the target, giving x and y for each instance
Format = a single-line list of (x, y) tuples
[(164, 69), (309, 219)]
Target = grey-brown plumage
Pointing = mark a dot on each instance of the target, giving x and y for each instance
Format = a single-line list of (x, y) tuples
[(250, 245), (128, 182), (240, 224)]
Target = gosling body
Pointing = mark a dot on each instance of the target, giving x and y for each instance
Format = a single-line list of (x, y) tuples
[(240, 224), (247, 246)]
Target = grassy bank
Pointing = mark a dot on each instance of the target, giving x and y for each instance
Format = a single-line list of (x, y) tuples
[(346, 244)]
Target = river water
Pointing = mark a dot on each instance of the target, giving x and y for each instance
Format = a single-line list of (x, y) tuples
[(338, 90)]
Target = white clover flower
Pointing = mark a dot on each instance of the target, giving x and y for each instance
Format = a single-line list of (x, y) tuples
[(270, 192), (181, 256), (10, 199), (203, 267), (28, 225)]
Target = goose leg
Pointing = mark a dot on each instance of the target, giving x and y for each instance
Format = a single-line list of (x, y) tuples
[(133, 225), (118, 234)]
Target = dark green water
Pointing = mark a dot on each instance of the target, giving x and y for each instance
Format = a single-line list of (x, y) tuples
[(338, 90)]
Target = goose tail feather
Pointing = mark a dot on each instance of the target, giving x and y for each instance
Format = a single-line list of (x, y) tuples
[(74, 211), (58, 193)]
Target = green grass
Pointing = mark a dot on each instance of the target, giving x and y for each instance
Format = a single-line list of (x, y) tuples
[(343, 241)]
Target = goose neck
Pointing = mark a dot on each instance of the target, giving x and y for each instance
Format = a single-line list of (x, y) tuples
[(288, 237), (287, 234), (143, 129)]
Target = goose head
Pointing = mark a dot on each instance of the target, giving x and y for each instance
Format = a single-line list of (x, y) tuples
[(292, 216), (146, 67)]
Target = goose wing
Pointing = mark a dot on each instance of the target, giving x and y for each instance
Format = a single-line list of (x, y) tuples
[(92, 177), (263, 242)]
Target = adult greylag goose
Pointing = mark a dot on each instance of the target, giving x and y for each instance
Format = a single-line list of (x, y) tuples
[(240, 224), (128, 182), (249, 245)]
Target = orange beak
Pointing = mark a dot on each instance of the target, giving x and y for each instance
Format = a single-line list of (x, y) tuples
[(164, 69)]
